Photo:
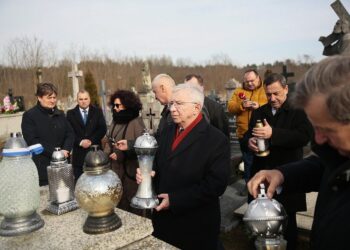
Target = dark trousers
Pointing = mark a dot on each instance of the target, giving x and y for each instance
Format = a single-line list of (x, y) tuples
[(291, 232), (247, 157)]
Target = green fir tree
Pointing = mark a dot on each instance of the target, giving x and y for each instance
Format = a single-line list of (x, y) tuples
[(91, 87)]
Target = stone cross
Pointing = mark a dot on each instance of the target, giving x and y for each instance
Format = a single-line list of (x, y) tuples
[(74, 74), (338, 42), (146, 76), (150, 115), (285, 72)]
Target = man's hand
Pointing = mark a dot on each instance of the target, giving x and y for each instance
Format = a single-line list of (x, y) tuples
[(139, 175), (248, 104), (252, 144), (273, 178), (263, 132), (86, 143), (66, 153), (165, 202)]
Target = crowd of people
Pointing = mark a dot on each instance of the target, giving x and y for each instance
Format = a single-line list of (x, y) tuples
[(192, 162)]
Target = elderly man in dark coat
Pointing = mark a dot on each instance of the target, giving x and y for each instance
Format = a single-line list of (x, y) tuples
[(89, 128), (191, 172), (287, 131)]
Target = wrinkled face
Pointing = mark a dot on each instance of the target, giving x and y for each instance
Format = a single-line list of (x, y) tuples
[(118, 106), (183, 110), (83, 100), (327, 129), (276, 94), (251, 81), (48, 101)]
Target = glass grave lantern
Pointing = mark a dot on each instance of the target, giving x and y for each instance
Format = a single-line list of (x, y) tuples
[(19, 188), (61, 184), (266, 219), (145, 147), (98, 191)]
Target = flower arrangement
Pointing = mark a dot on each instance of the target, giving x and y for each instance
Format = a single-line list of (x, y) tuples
[(7, 107)]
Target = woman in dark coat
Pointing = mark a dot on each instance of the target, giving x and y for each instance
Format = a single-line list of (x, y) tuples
[(45, 124), (127, 125)]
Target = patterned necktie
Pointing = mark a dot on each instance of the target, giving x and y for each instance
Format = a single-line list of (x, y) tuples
[(85, 116)]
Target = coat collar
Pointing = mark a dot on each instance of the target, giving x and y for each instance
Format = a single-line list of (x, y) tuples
[(197, 132)]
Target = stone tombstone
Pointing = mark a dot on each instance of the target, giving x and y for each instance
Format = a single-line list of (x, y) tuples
[(151, 108), (338, 42), (75, 74), (230, 86)]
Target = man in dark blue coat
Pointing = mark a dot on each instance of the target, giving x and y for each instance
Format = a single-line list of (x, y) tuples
[(287, 131), (46, 125), (89, 128), (324, 94)]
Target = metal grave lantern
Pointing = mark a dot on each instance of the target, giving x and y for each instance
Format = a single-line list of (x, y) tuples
[(98, 191), (61, 184), (19, 188), (266, 219), (145, 147)]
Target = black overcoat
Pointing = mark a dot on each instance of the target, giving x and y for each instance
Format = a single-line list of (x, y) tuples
[(327, 173), (194, 175), (50, 130), (291, 131), (217, 115), (94, 130)]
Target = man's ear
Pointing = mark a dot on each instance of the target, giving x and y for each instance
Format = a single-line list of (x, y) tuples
[(162, 88)]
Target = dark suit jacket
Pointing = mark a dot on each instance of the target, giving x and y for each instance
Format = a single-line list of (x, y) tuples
[(194, 175), (94, 130), (50, 131), (327, 173), (217, 115), (291, 131)]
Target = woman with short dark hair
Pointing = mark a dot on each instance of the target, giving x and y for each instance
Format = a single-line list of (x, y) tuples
[(45, 124)]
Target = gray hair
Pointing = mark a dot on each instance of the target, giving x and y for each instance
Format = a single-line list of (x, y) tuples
[(193, 92), (168, 80), (331, 78)]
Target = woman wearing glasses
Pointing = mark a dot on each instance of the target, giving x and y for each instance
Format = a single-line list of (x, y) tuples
[(127, 124)]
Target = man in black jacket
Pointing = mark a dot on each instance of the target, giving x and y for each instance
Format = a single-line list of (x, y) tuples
[(287, 131), (89, 128), (46, 125), (162, 86), (324, 94), (212, 109)]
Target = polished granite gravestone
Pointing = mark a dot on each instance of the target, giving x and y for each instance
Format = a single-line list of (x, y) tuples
[(66, 232)]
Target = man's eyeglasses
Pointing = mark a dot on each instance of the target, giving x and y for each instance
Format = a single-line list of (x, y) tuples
[(116, 105), (178, 104), (250, 81)]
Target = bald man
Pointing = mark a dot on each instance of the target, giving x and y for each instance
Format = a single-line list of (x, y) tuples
[(162, 86)]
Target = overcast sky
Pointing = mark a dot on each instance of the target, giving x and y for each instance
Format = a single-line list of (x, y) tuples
[(247, 31)]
